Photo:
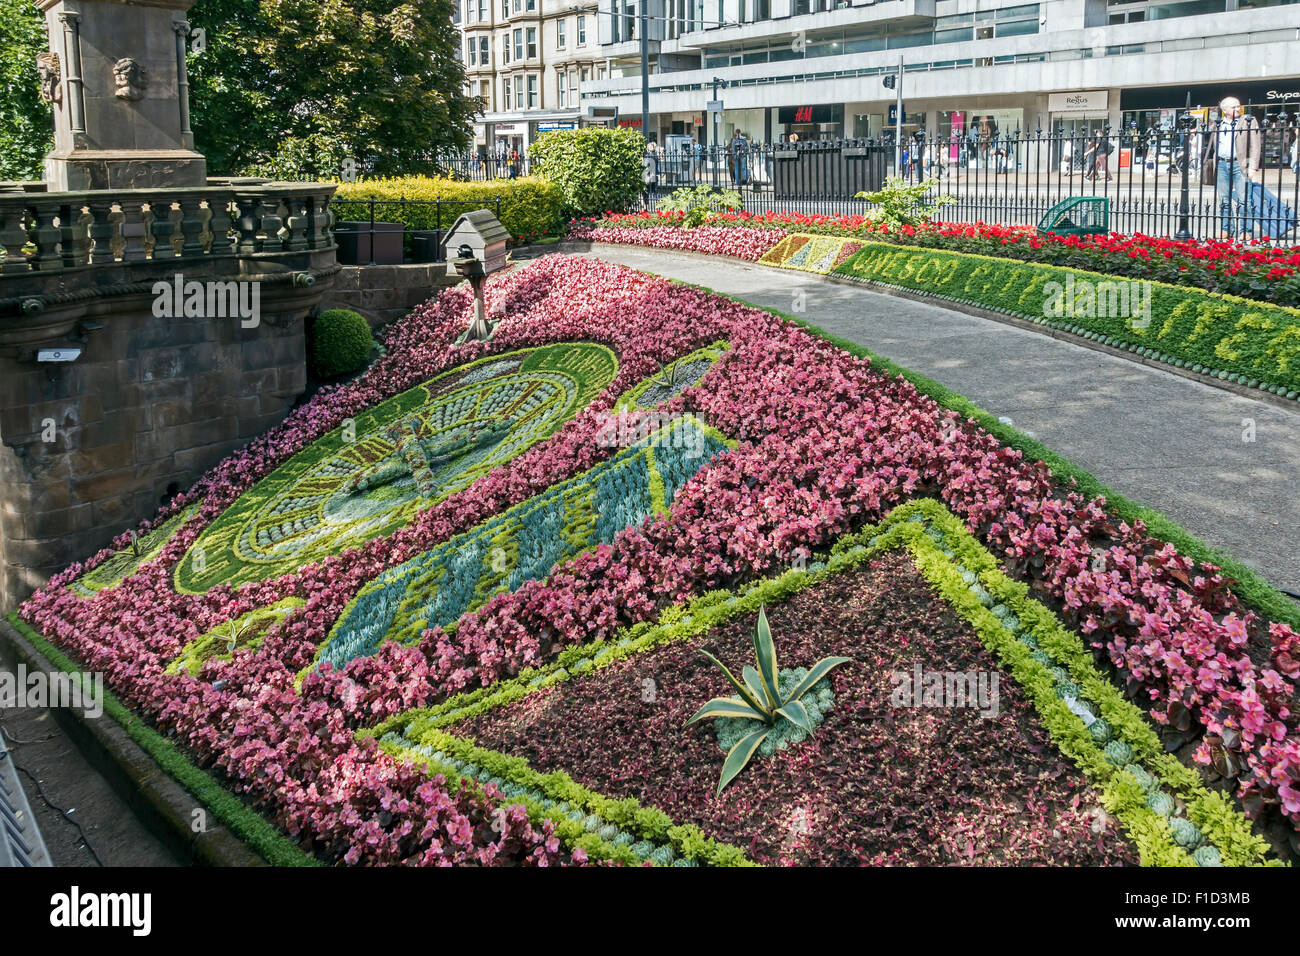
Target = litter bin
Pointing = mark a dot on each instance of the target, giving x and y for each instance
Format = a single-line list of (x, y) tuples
[(353, 240), (425, 246), (1077, 216)]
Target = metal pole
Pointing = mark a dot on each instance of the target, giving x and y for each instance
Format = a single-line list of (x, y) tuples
[(1185, 123), (898, 123), (715, 115), (372, 230), (645, 72)]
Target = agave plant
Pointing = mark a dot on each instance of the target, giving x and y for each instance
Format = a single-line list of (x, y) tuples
[(761, 699)]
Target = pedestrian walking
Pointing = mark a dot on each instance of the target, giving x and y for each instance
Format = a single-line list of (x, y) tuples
[(650, 174), (1094, 157), (1230, 162)]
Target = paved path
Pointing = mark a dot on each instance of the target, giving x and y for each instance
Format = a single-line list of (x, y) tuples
[(1162, 440)]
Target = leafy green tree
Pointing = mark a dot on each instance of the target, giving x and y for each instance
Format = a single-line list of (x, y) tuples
[(293, 88), (597, 169), (26, 123)]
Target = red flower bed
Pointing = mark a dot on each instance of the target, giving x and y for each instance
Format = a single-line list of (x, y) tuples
[(875, 784), (1255, 271)]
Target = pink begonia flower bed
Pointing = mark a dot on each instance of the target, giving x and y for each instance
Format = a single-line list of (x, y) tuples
[(740, 242), (826, 444)]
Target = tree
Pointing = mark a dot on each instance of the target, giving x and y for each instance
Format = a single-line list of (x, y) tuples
[(26, 122), (295, 88)]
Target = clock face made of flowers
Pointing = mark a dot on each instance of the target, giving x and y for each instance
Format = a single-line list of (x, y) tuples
[(403, 455)]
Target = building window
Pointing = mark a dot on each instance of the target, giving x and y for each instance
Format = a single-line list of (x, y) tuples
[(472, 57), (531, 6), (559, 34), (506, 82), (505, 48), (561, 89), (532, 43), (582, 31), (600, 73), (519, 44), (505, 9), (532, 92), (519, 92), (518, 6), (482, 10), (483, 50)]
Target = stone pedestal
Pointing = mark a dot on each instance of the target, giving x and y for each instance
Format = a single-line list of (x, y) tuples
[(116, 79)]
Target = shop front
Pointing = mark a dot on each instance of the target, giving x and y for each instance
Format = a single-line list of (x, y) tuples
[(1075, 120), (810, 122), (1152, 113), (510, 142)]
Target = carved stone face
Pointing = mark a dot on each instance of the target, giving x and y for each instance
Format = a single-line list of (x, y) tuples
[(129, 78), (47, 65)]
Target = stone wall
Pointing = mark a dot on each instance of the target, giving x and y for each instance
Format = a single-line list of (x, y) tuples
[(147, 408), (384, 294)]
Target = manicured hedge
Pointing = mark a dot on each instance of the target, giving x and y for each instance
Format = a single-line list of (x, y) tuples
[(1254, 343), (596, 169), (530, 206)]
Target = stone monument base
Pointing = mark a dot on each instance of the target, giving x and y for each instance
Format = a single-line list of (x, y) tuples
[(80, 170)]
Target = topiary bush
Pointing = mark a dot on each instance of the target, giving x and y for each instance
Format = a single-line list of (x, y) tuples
[(596, 169), (340, 343)]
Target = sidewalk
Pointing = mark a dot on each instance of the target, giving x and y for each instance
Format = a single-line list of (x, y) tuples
[(1164, 441)]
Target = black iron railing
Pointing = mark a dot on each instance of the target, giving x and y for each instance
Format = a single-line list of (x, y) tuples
[(1161, 182)]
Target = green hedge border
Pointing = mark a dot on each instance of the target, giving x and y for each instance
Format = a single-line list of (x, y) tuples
[(1233, 330), (247, 824), (1253, 589)]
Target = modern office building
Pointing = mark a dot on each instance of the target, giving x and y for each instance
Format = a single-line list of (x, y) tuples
[(814, 68)]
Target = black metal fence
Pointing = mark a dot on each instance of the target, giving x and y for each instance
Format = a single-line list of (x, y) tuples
[(373, 231), (1161, 182), (480, 168)]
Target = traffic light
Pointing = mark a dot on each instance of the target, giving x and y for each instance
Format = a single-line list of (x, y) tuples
[(890, 81)]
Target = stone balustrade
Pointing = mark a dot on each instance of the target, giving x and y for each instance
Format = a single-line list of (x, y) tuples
[(51, 232)]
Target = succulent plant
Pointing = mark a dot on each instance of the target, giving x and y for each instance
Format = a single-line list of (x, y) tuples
[(662, 856), (1161, 803), (762, 699), (1118, 752), (607, 832), (1207, 856), (1148, 782), (1068, 689), (1185, 832), (1100, 731)]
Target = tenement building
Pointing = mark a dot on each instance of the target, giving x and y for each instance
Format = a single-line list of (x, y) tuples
[(527, 60)]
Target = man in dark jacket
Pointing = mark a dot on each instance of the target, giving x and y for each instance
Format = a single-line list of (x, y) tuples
[(1231, 161)]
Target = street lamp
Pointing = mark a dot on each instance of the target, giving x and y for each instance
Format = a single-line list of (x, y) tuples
[(1185, 123)]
